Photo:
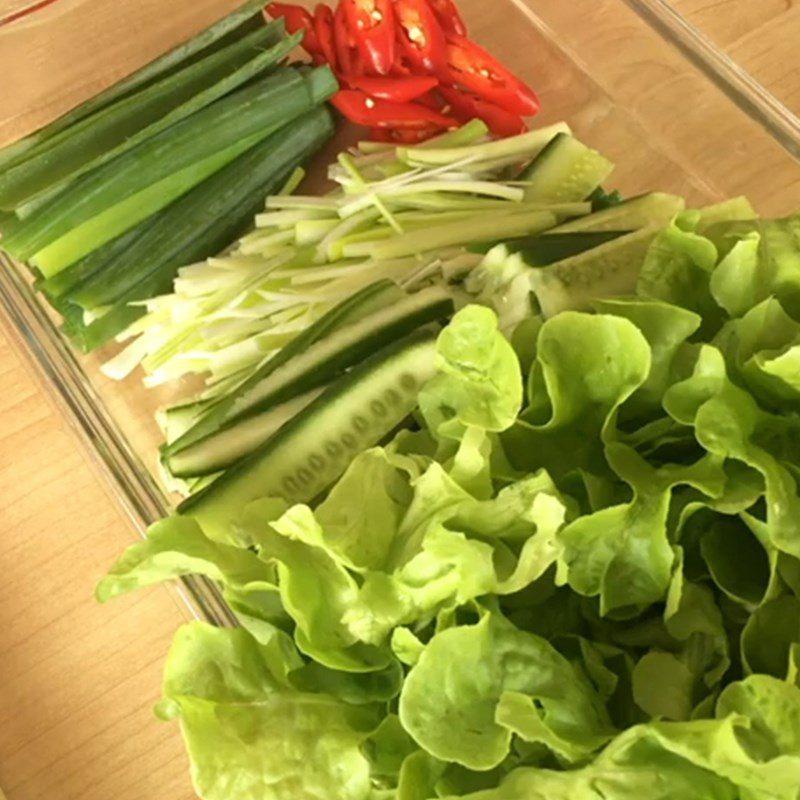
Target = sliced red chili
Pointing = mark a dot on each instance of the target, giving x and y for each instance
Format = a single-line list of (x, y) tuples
[(470, 66), (296, 18), (399, 90), (465, 107), (401, 68), (323, 26), (364, 110), (433, 100), (449, 17), (373, 26), (347, 53), (421, 36)]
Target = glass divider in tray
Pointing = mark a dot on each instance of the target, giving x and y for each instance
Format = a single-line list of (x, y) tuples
[(633, 80)]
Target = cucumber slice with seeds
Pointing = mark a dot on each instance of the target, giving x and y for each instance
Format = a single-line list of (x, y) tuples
[(605, 271), (566, 170), (320, 363), (311, 451), (369, 300), (224, 449), (638, 212)]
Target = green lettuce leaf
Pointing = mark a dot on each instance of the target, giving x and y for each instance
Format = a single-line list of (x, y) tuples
[(666, 328), (248, 741), (763, 349), (478, 382), (468, 694), (773, 270), (678, 268), (623, 553), (769, 635), (589, 365), (750, 751), (175, 547)]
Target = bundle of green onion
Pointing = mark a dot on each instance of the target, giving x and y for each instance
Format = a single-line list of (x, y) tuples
[(164, 168)]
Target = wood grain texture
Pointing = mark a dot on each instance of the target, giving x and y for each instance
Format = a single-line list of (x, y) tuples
[(77, 681), (761, 35)]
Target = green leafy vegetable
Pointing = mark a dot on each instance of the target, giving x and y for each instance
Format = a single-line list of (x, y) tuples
[(575, 575)]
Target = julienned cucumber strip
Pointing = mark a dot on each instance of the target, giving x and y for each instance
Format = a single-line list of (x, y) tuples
[(177, 420), (211, 216), (260, 108), (175, 58), (373, 298), (125, 124), (323, 361), (605, 271), (312, 450), (232, 444), (566, 170), (638, 212), (114, 221)]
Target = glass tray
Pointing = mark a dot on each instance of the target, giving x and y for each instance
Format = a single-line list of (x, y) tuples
[(631, 77)]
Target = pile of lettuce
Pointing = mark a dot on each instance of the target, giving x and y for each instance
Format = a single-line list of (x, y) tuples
[(579, 579)]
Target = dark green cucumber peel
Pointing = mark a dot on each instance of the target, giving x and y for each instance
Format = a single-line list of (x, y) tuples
[(255, 110), (312, 450), (238, 23), (609, 270), (214, 214), (230, 445), (125, 124), (372, 298), (330, 356), (321, 363), (547, 248)]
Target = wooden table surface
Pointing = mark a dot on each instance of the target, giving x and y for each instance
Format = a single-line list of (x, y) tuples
[(78, 681)]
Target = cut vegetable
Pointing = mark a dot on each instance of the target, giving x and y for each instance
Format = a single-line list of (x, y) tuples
[(232, 444), (452, 234), (255, 111), (566, 170), (638, 212), (373, 298), (99, 260), (208, 218), (528, 144), (238, 22), (321, 362), (83, 239), (125, 124), (605, 271), (315, 447)]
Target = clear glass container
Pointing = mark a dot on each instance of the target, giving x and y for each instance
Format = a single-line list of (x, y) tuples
[(631, 77)]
